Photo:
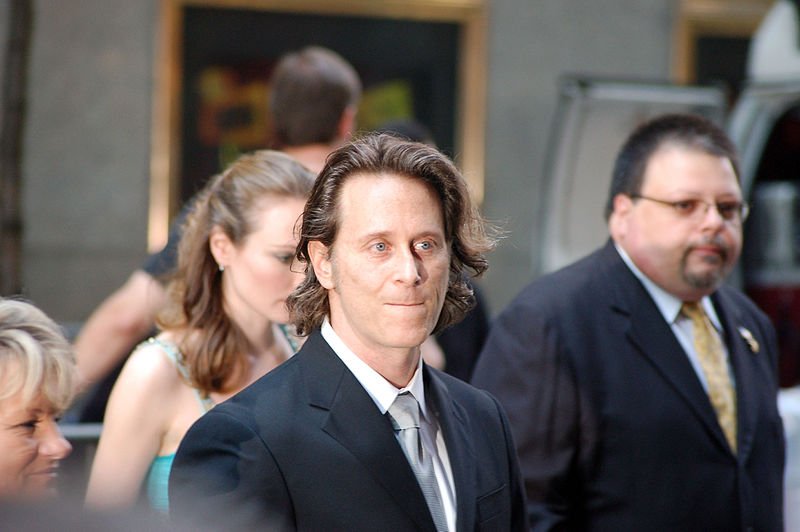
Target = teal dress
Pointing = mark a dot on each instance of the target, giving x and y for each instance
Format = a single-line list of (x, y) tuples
[(158, 475), (158, 482)]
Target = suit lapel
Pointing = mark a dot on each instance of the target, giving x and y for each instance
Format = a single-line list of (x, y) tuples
[(653, 338), (460, 451), (356, 423)]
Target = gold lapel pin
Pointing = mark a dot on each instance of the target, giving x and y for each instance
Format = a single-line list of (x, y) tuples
[(750, 339)]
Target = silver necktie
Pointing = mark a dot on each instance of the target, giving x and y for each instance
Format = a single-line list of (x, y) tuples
[(404, 414)]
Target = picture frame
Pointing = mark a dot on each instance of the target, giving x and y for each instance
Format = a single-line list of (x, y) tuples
[(699, 23), (202, 40)]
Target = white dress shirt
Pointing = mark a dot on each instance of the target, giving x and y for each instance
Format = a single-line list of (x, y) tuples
[(383, 393), (670, 308)]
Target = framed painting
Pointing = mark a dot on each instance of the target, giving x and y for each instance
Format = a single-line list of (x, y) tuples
[(418, 59), (711, 39)]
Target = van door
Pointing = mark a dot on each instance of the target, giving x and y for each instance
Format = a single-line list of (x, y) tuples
[(765, 125)]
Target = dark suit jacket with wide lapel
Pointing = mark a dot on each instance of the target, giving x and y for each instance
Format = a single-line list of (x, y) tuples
[(306, 448), (612, 424)]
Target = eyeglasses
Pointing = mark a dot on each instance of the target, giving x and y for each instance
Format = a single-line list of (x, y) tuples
[(695, 209)]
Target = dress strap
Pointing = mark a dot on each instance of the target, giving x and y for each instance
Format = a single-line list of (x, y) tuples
[(290, 336), (172, 352)]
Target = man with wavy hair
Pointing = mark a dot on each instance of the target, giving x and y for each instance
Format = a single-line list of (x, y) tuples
[(356, 432)]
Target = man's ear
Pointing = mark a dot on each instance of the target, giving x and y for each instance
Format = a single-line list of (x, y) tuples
[(320, 257), (617, 221), (347, 122), (622, 204), (221, 246)]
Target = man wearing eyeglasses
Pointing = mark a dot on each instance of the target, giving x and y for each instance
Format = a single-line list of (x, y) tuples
[(641, 391)]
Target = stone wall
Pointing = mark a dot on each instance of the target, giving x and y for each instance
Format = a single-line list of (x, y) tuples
[(86, 154)]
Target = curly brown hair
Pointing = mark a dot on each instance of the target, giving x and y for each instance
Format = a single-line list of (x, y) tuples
[(466, 231), (212, 345)]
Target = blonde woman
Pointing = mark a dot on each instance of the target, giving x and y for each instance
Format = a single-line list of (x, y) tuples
[(221, 331), (37, 376)]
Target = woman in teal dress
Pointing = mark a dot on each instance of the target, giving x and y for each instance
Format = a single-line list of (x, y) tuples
[(221, 331)]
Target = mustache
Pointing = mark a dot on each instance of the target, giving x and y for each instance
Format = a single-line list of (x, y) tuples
[(715, 241)]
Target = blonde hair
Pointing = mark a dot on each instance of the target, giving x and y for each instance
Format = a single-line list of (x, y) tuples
[(35, 358), (214, 352)]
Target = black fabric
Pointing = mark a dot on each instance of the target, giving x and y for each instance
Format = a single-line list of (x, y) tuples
[(613, 427), (306, 448), (162, 263)]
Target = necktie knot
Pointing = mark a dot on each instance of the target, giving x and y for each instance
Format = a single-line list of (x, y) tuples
[(694, 311), (404, 412)]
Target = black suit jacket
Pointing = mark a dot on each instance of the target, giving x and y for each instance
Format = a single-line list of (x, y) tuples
[(306, 448), (613, 427)]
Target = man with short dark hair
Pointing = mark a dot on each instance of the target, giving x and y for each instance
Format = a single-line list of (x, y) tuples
[(356, 432), (314, 99), (640, 389)]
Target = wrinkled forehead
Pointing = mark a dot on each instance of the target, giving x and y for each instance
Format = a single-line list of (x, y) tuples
[(381, 189), (366, 186)]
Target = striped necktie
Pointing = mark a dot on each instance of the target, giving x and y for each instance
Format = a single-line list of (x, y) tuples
[(404, 414)]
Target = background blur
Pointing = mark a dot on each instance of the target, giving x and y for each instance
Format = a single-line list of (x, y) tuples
[(89, 116)]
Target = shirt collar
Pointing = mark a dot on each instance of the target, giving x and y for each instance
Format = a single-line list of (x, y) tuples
[(382, 392), (668, 305)]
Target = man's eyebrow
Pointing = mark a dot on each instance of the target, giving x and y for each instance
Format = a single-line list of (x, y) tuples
[(388, 232), (365, 237)]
